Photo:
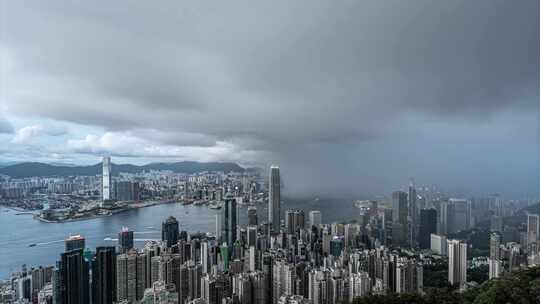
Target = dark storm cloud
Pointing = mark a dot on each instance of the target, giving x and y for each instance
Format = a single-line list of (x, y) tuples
[(303, 80)]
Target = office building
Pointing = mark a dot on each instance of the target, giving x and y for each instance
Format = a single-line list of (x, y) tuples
[(252, 215), (400, 215), (459, 215), (125, 240), (75, 242), (229, 221), (428, 226), (413, 215), (170, 231), (274, 199), (106, 191)]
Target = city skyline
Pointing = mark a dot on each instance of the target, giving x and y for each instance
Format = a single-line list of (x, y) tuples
[(270, 152), (385, 248), (371, 87)]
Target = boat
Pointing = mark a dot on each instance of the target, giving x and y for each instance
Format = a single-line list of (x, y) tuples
[(32, 245), (215, 206)]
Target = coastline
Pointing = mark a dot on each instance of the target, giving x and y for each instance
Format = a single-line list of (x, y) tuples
[(113, 212)]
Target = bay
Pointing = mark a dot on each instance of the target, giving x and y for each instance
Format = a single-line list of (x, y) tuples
[(17, 232)]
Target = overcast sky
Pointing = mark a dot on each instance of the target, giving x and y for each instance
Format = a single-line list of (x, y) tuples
[(346, 96)]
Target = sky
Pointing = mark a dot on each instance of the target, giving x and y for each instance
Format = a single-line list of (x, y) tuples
[(350, 97)]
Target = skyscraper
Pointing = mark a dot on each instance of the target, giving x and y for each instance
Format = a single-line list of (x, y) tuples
[(495, 262), (104, 276), (229, 222), (125, 239), (130, 276), (169, 231), (315, 218), (74, 278), (126, 191), (457, 262), (400, 218), (294, 221), (413, 215), (533, 231), (75, 242), (458, 216), (439, 244), (204, 257), (428, 225), (494, 246), (274, 199), (252, 215), (106, 182)]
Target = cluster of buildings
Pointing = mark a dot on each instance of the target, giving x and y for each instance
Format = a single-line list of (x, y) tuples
[(291, 258), (79, 197), (511, 256)]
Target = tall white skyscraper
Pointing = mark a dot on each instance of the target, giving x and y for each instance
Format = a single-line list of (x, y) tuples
[(274, 198), (457, 262), (106, 183), (204, 257)]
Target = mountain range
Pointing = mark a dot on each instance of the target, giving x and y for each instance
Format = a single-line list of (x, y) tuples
[(29, 169)]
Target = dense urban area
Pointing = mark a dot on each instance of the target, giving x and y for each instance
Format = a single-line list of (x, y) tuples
[(417, 245)]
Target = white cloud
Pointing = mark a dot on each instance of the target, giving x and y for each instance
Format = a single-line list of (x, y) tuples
[(126, 144), (27, 134)]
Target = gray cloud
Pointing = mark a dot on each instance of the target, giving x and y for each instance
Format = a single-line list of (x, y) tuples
[(307, 82), (5, 126)]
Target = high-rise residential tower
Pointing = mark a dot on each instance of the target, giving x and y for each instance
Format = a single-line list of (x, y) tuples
[(457, 262), (274, 199), (533, 231), (104, 276), (294, 221), (106, 182), (315, 218), (74, 278)]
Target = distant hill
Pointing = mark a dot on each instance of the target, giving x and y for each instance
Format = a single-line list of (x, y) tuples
[(30, 169)]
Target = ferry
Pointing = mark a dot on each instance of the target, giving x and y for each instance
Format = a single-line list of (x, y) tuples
[(215, 206)]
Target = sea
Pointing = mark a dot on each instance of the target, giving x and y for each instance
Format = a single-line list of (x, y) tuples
[(18, 231)]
